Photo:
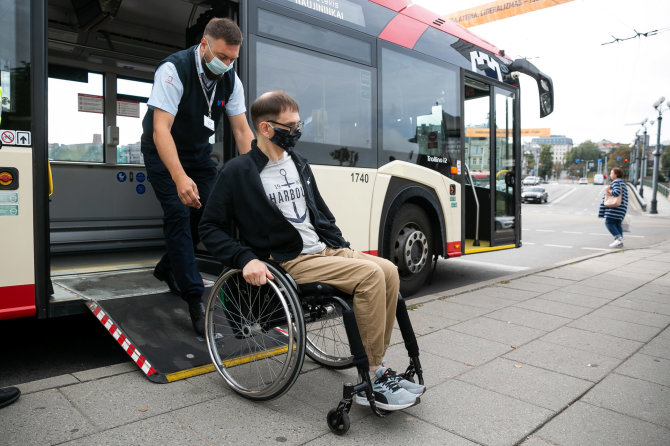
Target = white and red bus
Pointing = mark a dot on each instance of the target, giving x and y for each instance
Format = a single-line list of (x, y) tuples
[(412, 125)]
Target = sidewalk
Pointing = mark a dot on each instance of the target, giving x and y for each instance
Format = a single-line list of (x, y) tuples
[(573, 355)]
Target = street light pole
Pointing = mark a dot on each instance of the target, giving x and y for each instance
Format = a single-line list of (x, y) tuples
[(643, 161), (658, 105)]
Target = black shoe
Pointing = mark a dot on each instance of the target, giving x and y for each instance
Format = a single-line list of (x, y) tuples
[(8, 395), (197, 311), (167, 277)]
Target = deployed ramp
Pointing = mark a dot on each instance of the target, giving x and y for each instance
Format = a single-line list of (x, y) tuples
[(151, 324)]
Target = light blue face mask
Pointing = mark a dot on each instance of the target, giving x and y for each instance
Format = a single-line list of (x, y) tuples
[(215, 65)]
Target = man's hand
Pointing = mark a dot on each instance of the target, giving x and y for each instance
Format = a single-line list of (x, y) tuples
[(256, 273), (188, 192)]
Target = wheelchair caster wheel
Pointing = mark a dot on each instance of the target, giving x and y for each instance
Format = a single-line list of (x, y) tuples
[(338, 422)]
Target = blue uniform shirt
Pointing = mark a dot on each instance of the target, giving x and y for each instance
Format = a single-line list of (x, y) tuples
[(168, 89)]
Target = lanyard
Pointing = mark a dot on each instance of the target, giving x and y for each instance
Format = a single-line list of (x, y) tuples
[(210, 100)]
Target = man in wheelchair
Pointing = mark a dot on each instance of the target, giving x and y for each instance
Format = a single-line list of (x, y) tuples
[(270, 196)]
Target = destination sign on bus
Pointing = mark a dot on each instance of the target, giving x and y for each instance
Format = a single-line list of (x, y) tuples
[(339, 9)]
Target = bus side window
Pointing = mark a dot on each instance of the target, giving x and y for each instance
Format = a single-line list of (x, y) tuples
[(76, 96), (420, 113), (335, 98)]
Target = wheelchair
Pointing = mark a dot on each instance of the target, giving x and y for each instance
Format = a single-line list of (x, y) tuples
[(257, 338)]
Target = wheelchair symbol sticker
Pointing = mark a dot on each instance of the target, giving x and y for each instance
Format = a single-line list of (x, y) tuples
[(121, 177), (140, 177), (141, 188)]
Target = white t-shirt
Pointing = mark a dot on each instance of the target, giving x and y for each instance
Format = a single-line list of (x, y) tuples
[(168, 89), (283, 187)]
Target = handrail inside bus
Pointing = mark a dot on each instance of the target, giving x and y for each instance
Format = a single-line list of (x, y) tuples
[(51, 181), (474, 192)]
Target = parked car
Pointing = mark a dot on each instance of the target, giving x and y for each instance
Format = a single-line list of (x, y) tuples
[(583, 180), (530, 181), (535, 194)]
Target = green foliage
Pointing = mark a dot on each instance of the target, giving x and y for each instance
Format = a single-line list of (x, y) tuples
[(530, 159), (546, 161), (585, 151), (665, 162), (624, 154)]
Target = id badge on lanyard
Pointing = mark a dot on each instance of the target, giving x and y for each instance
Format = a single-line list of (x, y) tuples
[(207, 119), (209, 122)]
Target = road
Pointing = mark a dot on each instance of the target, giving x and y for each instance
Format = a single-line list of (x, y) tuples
[(565, 228)]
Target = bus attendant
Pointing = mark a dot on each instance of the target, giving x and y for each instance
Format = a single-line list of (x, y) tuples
[(191, 89)]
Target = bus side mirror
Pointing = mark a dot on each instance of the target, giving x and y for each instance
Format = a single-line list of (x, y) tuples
[(545, 86)]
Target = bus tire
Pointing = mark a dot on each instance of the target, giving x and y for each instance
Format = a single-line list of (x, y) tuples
[(411, 247)]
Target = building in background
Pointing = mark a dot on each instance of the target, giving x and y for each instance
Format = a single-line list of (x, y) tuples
[(560, 146)]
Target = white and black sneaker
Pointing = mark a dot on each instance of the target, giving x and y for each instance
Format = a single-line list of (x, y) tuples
[(617, 243), (388, 393), (411, 387)]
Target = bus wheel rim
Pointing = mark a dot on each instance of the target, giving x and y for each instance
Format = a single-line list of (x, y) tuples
[(413, 247)]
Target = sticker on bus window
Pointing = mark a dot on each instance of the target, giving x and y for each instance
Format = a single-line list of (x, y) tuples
[(9, 211), (339, 9)]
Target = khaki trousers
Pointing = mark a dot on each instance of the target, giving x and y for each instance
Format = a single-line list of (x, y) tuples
[(373, 281)]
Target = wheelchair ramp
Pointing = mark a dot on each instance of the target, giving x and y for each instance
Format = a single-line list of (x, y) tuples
[(156, 332)]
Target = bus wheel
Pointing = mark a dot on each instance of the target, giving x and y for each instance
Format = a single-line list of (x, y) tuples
[(411, 247)]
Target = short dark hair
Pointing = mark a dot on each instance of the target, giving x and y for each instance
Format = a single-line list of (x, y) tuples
[(618, 171), (270, 105), (225, 29)]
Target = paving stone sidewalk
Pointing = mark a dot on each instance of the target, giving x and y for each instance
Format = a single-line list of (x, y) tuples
[(573, 355)]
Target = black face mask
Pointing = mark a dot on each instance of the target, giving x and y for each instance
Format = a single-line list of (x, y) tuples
[(284, 139)]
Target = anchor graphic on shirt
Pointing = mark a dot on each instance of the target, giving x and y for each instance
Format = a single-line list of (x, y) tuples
[(299, 219), (282, 172)]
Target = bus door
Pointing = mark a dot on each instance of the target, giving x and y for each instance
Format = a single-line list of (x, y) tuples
[(105, 223), (490, 153)]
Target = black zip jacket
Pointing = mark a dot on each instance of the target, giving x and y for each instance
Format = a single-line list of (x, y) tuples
[(238, 200)]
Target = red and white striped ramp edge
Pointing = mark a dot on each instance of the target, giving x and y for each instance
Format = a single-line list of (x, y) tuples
[(123, 341)]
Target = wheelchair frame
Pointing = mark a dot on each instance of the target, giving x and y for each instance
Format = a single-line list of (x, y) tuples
[(271, 322)]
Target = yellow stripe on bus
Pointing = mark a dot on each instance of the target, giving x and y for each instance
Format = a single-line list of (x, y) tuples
[(171, 377), (476, 249)]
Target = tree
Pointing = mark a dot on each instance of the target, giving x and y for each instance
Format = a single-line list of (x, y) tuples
[(530, 160), (614, 161), (665, 164), (585, 151), (546, 161), (558, 169)]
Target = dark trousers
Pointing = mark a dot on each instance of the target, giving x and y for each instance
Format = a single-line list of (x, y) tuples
[(614, 227), (180, 222)]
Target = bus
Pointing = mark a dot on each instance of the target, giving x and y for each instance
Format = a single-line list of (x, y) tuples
[(412, 126)]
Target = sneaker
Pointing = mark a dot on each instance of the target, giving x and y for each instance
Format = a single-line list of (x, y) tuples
[(411, 387), (617, 243), (388, 394)]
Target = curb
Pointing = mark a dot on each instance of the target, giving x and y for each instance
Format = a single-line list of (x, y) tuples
[(515, 275)]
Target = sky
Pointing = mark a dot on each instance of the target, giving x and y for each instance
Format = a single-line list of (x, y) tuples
[(599, 89)]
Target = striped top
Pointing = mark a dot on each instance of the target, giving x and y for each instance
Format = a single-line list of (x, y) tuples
[(617, 213)]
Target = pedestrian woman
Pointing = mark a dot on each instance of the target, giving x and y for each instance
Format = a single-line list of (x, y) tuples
[(614, 216)]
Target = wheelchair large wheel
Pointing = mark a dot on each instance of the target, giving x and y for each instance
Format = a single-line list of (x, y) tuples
[(255, 335), (327, 341)]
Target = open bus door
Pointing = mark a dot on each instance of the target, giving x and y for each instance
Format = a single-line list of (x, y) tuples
[(98, 237), (492, 207)]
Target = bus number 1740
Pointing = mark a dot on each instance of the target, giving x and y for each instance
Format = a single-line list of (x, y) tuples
[(360, 177)]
